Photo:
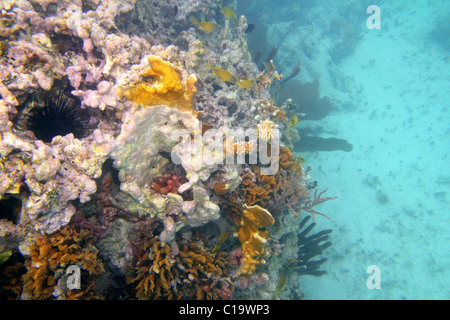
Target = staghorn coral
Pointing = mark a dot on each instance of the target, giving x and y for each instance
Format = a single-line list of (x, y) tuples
[(193, 273), (51, 255), (165, 87), (264, 79), (253, 234)]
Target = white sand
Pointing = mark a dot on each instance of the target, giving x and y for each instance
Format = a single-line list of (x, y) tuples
[(399, 126)]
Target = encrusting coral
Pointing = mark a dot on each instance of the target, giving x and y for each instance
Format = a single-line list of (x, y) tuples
[(161, 84)]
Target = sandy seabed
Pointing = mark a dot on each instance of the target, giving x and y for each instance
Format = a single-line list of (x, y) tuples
[(393, 205)]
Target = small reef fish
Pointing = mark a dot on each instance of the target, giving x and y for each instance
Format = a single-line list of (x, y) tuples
[(282, 279), (250, 28), (246, 83), (223, 74), (228, 12), (227, 76), (257, 56), (292, 121), (223, 237), (206, 26), (294, 72)]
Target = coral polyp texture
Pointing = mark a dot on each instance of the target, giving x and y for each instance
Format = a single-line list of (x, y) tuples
[(115, 123)]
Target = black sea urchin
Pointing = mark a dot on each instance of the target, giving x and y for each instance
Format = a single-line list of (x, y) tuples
[(52, 113)]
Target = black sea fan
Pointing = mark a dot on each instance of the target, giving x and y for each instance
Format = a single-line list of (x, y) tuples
[(52, 113)]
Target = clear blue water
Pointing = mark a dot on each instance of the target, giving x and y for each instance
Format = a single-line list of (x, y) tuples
[(389, 88)]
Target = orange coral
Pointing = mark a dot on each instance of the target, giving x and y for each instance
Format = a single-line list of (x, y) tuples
[(222, 187), (192, 274), (253, 235), (165, 87), (265, 79), (258, 189), (268, 109), (51, 253), (288, 162)]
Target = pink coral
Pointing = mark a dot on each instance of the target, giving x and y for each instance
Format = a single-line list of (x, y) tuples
[(104, 96)]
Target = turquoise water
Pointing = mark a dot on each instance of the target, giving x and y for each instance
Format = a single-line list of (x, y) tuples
[(389, 89)]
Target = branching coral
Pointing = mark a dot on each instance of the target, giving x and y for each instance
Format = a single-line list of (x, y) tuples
[(308, 207), (267, 190), (193, 273), (266, 108), (49, 257), (161, 84), (265, 79)]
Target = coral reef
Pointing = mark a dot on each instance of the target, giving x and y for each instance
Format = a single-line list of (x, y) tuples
[(105, 162), (50, 254), (193, 273), (140, 163)]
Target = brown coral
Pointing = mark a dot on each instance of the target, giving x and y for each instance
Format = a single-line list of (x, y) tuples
[(51, 254), (265, 190), (193, 273), (165, 87), (253, 235), (267, 109), (264, 79)]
